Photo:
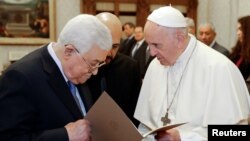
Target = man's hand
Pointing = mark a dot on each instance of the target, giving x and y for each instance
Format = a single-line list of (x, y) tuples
[(170, 135), (79, 130)]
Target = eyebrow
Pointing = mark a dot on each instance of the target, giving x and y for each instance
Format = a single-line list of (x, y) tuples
[(116, 45)]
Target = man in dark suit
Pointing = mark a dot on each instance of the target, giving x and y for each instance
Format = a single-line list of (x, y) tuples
[(36, 102), (140, 51), (207, 35), (220, 48), (120, 77), (127, 44)]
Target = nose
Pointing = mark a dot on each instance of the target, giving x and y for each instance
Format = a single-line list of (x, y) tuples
[(203, 36)]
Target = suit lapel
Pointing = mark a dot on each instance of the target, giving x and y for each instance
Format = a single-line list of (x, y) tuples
[(59, 85), (140, 54)]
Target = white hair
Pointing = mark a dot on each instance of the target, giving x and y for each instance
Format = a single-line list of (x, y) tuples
[(84, 31), (190, 22), (211, 25)]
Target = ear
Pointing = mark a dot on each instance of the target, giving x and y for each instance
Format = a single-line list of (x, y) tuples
[(215, 34), (68, 50), (180, 39)]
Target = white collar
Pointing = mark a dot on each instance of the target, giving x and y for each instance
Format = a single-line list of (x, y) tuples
[(55, 58), (212, 44)]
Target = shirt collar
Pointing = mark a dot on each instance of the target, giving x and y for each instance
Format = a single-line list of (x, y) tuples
[(140, 42), (212, 44), (131, 36), (55, 58)]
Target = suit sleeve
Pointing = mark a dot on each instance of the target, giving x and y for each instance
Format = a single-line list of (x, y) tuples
[(18, 114)]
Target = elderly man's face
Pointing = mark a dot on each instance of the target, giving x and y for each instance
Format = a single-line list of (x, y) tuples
[(77, 67), (206, 35), (162, 43)]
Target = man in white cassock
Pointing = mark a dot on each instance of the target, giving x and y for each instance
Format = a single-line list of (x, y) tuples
[(187, 82)]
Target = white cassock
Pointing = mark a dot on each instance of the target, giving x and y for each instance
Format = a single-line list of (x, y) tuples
[(211, 91)]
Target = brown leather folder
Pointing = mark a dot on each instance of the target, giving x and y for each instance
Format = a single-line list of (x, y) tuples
[(110, 123)]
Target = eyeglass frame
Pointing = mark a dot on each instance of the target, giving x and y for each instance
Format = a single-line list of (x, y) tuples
[(91, 67)]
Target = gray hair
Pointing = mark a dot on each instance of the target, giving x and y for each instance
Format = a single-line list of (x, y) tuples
[(190, 22), (211, 25), (84, 31)]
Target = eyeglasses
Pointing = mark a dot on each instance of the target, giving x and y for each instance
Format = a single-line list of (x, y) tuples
[(92, 68)]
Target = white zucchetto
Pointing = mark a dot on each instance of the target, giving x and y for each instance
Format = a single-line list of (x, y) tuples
[(168, 16)]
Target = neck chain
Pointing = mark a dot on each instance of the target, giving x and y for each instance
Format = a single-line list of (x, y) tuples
[(165, 120)]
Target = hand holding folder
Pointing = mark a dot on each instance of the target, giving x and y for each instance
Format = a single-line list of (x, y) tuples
[(110, 123)]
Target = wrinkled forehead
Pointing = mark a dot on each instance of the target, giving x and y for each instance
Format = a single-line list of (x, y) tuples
[(149, 27), (153, 29), (206, 28), (151, 32), (96, 54)]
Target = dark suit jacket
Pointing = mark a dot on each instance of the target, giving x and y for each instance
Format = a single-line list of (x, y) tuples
[(35, 101), (140, 56), (221, 49), (122, 83), (126, 46)]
